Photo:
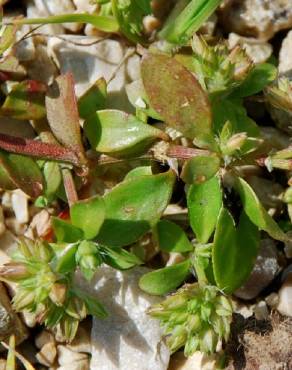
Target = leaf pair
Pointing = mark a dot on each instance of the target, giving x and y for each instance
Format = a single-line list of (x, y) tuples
[(123, 215)]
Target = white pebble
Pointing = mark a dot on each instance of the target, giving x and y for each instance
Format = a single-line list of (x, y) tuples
[(19, 202), (285, 297)]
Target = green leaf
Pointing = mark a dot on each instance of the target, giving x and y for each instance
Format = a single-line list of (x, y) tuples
[(93, 306), (186, 18), (53, 178), (165, 280), (133, 207), (66, 232), (172, 238), (177, 97), (65, 260), (7, 37), (25, 101), (138, 171), (256, 212), (102, 23), (119, 258), (200, 169), (259, 77), (121, 134), (88, 215), (93, 99), (204, 204), (234, 251), (63, 116), (21, 172)]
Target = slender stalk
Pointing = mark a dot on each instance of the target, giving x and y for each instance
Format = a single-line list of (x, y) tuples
[(69, 186)]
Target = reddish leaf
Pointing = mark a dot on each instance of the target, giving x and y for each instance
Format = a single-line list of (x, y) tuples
[(62, 113), (177, 97), (10, 69), (25, 101)]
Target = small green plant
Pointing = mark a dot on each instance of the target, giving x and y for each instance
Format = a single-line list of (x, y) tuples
[(190, 127)]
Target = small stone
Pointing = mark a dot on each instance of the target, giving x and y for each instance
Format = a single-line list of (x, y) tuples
[(272, 300), (261, 311), (40, 224), (85, 6), (6, 199), (209, 26), (78, 365), (29, 318), (257, 50), (150, 24), (44, 338), (67, 357), (198, 361), (264, 271), (288, 245), (47, 354), (24, 50), (174, 258), (244, 310), (16, 227), (285, 297), (105, 58), (3, 364), (19, 201), (8, 244), (285, 55), (128, 338), (41, 68), (256, 18)]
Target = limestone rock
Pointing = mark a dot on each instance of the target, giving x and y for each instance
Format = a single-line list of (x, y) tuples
[(264, 271), (256, 18), (128, 338), (259, 51), (285, 297), (93, 58)]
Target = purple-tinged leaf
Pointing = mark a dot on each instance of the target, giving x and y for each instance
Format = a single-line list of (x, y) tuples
[(25, 101), (37, 149), (177, 97), (63, 116), (23, 172)]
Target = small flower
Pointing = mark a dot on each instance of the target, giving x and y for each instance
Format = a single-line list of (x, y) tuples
[(195, 317)]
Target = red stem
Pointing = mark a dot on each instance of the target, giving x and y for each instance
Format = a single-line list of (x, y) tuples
[(38, 149), (182, 152), (69, 186)]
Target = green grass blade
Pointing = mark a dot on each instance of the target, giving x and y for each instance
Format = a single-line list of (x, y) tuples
[(103, 23)]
